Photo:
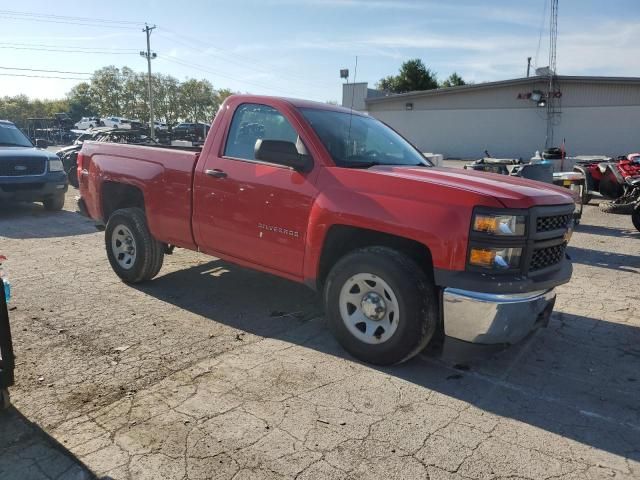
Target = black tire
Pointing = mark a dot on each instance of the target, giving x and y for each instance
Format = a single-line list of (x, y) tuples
[(416, 298), (54, 203), (609, 186), (149, 253), (72, 175), (635, 217), (617, 207), (5, 399)]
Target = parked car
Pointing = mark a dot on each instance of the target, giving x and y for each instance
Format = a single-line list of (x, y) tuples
[(403, 252), (116, 122), (28, 173), (190, 131), (160, 126), (88, 122)]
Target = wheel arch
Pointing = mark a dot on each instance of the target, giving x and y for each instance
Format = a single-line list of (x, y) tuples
[(117, 195), (342, 239)]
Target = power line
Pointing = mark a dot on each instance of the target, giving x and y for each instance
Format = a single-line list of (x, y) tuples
[(63, 50), (46, 20), (48, 71), (74, 47), (40, 76), (68, 17), (248, 63), (207, 70)]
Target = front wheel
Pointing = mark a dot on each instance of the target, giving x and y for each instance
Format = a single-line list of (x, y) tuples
[(380, 305), (133, 253), (54, 203)]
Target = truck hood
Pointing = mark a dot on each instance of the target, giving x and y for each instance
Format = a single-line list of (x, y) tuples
[(512, 192)]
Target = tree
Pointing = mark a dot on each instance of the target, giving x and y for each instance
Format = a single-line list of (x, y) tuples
[(81, 102), (106, 90), (413, 76), (198, 100), (454, 80)]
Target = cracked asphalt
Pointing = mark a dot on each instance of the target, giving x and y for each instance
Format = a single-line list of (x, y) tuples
[(214, 371)]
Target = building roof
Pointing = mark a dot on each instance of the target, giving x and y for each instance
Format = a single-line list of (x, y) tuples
[(501, 83)]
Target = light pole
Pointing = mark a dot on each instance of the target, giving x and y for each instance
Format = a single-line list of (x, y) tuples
[(149, 56)]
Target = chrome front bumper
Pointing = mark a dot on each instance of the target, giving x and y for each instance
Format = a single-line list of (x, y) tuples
[(489, 319)]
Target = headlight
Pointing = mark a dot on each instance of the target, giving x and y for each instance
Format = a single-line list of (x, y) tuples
[(55, 165), (501, 225), (495, 258)]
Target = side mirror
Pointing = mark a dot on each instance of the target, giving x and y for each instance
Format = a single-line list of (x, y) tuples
[(282, 153), (41, 143)]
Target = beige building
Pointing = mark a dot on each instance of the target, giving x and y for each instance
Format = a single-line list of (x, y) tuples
[(596, 115)]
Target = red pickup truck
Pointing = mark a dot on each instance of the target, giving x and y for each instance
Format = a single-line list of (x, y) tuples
[(402, 251)]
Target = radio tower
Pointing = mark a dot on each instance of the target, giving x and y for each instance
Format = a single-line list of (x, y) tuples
[(553, 106)]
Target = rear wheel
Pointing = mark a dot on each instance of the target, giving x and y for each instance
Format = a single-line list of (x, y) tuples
[(133, 253), (380, 305), (54, 203)]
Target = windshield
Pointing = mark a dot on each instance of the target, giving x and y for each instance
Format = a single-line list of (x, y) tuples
[(11, 136), (360, 142)]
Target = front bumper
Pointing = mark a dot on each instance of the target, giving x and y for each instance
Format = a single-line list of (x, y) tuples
[(33, 188), (494, 319)]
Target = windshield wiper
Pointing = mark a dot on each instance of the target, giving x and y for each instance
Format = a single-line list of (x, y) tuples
[(11, 144), (375, 164)]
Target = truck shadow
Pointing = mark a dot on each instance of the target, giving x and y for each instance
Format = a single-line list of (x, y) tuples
[(629, 232), (28, 452), (597, 258), (31, 220), (578, 379)]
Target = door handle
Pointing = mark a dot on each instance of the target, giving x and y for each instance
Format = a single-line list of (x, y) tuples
[(216, 173)]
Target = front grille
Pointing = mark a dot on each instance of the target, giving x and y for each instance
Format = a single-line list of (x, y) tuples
[(555, 222), (18, 167), (546, 257)]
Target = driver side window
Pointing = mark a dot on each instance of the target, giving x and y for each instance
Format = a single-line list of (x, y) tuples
[(252, 122)]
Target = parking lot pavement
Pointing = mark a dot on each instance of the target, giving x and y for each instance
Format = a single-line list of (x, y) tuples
[(214, 371)]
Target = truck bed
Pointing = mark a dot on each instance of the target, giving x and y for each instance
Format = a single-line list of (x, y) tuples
[(164, 176)]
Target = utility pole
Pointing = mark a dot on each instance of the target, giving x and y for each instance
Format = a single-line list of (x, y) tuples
[(149, 56), (528, 66)]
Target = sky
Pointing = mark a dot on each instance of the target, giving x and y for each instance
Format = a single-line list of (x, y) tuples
[(297, 47)]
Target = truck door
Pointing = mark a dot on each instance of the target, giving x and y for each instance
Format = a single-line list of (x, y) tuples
[(252, 210)]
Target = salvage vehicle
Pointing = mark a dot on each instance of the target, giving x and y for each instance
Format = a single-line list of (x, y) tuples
[(403, 252), (29, 173), (87, 122), (608, 176), (69, 154), (194, 132)]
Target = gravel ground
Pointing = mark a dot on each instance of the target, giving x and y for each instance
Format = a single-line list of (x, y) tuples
[(214, 371)]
